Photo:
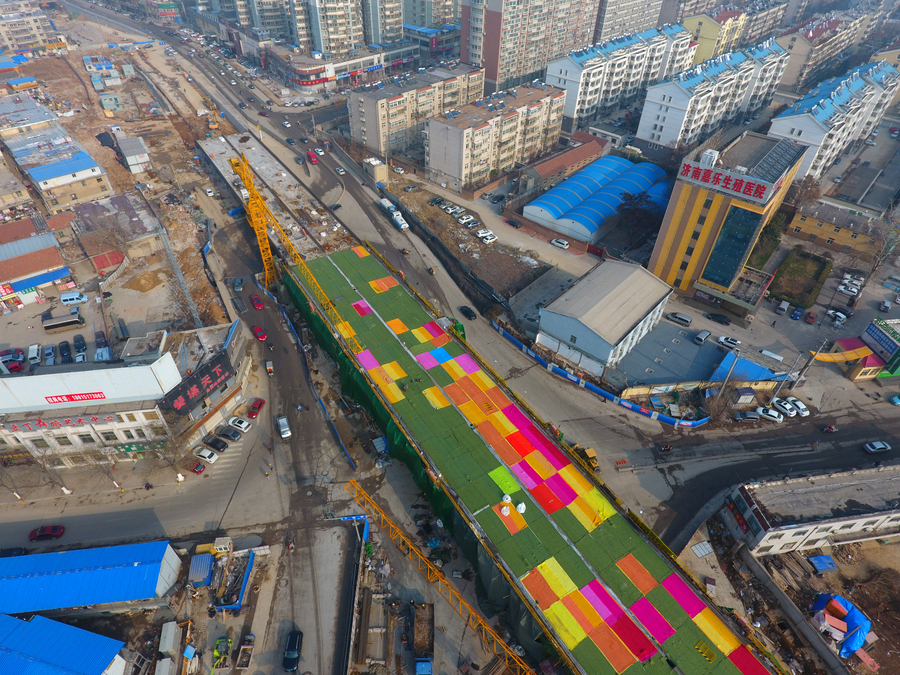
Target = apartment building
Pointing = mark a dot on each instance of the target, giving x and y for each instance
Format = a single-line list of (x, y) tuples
[(800, 514), (715, 32), (837, 113), (28, 29), (618, 17), (464, 148), (431, 13), (436, 44), (382, 21), (680, 10), (390, 118), (891, 54), (720, 204), (815, 47), (271, 18), (843, 230), (695, 103), (606, 76), (513, 41), (334, 27), (764, 19)]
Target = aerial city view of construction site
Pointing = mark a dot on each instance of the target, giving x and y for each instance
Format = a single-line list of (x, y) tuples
[(437, 338)]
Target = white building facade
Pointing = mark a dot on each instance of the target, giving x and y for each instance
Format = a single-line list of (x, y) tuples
[(695, 103), (837, 113), (608, 75)]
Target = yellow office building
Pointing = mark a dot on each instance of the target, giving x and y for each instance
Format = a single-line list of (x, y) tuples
[(720, 204)]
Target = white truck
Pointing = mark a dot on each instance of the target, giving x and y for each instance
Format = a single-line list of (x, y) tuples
[(399, 221), (388, 207)]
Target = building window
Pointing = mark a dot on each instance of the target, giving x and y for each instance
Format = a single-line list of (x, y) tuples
[(684, 266), (869, 523), (819, 224), (707, 203), (678, 281), (128, 435), (140, 433), (109, 435), (86, 439), (40, 443), (63, 440), (764, 549), (801, 533), (830, 240), (802, 219), (701, 220), (695, 234), (776, 536), (836, 230), (854, 235), (689, 250), (151, 416), (573, 339)]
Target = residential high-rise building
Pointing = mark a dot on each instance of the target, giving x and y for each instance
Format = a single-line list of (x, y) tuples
[(430, 13), (691, 106), (391, 118), (335, 27), (814, 48), (715, 32), (513, 41), (606, 76), (720, 204), (764, 20), (382, 21), (271, 18), (618, 17), (464, 148), (891, 54), (838, 112), (436, 44)]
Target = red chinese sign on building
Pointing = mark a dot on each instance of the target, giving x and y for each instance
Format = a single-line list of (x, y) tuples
[(41, 423), (75, 398), (728, 182)]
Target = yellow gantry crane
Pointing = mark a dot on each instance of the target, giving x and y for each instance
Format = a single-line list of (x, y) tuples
[(261, 219), (473, 619)]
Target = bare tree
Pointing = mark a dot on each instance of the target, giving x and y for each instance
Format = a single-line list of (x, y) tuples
[(49, 473), (105, 465), (172, 452), (8, 482), (806, 192), (885, 239)]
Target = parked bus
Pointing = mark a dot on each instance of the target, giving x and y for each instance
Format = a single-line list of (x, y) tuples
[(64, 323)]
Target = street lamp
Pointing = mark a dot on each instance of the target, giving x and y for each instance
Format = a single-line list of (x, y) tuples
[(828, 398)]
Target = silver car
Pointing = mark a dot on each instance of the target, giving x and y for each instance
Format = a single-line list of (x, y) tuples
[(281, 424), (876, 447)]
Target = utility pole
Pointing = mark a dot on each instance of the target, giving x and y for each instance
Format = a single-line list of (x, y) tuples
[(737, 356), (806, 366), (781, 384)]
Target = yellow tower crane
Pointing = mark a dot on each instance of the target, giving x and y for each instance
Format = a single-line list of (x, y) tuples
[(436, 578), (261, 218)]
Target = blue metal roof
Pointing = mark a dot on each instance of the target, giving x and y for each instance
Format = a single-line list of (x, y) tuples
[(45, 647), (574, 190), (710, 70), (605, 49), (40, 279), (744, 371), (97, 576), (78, 162), (21, 80), (422, 29), (827, 99), (593, 212)]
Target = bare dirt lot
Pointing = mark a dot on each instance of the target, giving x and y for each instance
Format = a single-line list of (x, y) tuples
[(506, 269)]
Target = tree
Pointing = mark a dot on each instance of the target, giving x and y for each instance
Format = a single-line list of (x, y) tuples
[(806, 192), (635, 215)]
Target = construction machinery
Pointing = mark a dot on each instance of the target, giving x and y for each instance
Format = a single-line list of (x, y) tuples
[(261, 219), (222, 654), (473, 619), (589, 455), (246, 653)]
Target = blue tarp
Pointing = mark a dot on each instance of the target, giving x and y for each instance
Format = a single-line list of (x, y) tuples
[(823, 563), (744, 371), (858, 625)]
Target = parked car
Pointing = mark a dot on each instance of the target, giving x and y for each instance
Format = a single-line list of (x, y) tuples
[(797, 313), (798, 405), (728, 342), (748, 416), (239, 423), (207, 456), (50, 355), (65, 352), (876, 447), (848, 290), (47, 532), (783, 407), (483, 233), (468, 312), (514, 223), (846, 311), (291, 660), (12, 552), (398, 170), (490, 239), (811, 318), (465, 219), (560, 243), (496, 199), (229, 433), (434, 201), (769, 414), (255, 407), (216, 444)]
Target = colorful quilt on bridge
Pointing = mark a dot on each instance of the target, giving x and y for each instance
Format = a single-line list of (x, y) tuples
[(613, 601)]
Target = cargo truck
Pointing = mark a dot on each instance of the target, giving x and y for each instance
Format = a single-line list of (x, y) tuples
[(387, 206), (423, 638), (399, 221)]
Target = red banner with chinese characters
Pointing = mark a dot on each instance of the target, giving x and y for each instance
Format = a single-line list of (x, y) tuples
[(729, 182)]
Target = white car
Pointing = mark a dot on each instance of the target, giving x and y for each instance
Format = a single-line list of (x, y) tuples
[(240, 424), (398, 170), (340, 171), (207, 456), (798, 405), (320, 152), (783, 407), (209, 193), (834, 315), (465, 219), (490, 239), (769, 414), (876, 447), (728, 342), (286, 125), (560, 243), (233, 83), (481, 234), (869, 141), (848, 290)]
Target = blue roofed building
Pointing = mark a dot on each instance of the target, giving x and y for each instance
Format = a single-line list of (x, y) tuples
[(61, 171), (605, 76), (90, 581), (580, 206), (41, 646), (837, 113)]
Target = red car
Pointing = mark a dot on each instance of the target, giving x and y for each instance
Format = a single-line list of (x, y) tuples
[(256, 302), (47, 532), (255, 407), (263, 113), (811, 317), (12, 355), (259, 333), (198, 467)]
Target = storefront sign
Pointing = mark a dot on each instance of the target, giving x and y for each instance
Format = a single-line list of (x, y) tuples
[(41, 423), (196, 387), (728, 182), (409, 59), (74, 398), (398, 62), (375, 67)]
